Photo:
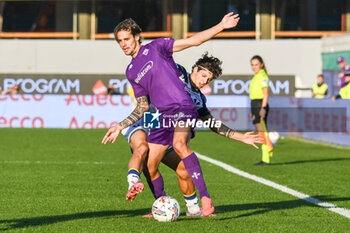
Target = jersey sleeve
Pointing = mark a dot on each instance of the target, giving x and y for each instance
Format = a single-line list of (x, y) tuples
[(264, 81), (204, 112), (165, 46), (138, 90), (184, 77)]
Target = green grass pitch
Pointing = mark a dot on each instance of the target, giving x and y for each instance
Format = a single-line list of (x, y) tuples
[(67, 181)]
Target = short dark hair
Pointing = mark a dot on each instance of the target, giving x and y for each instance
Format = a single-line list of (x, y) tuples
[(128, 25), (213, 64), (320, 75)]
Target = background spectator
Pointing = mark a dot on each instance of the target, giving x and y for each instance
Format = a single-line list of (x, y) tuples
[(319, 89), (112, 91), (344, 92), (344, 68), (45, 18)]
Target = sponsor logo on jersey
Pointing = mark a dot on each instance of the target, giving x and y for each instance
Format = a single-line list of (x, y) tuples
[(147, 67)]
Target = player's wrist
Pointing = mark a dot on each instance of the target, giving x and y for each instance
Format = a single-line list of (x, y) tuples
[(120, 126), (221, 26)]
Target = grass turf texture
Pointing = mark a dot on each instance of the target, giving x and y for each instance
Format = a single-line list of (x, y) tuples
[(66, 181)]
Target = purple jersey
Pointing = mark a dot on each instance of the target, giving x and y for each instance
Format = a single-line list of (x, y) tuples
[(153, 72)]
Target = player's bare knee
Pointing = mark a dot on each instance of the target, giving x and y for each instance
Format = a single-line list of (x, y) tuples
[(180, 148), (142, 150)]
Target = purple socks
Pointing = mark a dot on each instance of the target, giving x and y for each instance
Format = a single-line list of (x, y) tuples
[(194, 170), (158, 187)]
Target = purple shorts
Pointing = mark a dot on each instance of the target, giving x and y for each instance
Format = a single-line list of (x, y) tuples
[(184, 118)]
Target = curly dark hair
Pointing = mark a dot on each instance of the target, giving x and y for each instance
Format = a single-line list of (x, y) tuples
[(213, 64), (128, 25)]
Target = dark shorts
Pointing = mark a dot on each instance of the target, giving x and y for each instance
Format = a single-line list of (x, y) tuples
[(165, 134), (255, 106), (171, 159)]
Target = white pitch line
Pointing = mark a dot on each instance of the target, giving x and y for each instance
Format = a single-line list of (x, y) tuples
[(329, 206), (55, 162)]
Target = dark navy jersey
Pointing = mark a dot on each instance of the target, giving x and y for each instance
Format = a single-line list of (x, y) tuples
[(197, 97)]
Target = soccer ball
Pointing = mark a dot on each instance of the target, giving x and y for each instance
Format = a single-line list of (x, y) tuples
[(274, 136), (166, 209)]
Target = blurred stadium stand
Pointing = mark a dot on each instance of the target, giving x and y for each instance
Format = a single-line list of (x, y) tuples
[(95, 19), (263, 25)]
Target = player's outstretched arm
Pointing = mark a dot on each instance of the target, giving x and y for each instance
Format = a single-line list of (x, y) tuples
[(248, 138), (141, 107), (228, 21)]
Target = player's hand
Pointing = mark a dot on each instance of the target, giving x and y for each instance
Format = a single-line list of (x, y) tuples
[(340, 75), (333, 98), (112, 134), (230, 20), (250, 116), (262, 113), (250, 138)]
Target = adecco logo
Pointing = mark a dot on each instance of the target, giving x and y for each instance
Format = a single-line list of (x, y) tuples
[(279, 86), (43, 86)]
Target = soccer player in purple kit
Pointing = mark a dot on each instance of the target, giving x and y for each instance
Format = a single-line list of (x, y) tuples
[(205, 69), (153, 72)]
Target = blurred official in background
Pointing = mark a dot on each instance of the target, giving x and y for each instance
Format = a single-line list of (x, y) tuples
[(259, 95)]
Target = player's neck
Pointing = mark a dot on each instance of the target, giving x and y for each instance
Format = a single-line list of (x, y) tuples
[(136, 51), (194, 87)]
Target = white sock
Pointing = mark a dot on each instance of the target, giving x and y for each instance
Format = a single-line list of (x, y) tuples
[(133, 177), (193, 205)]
